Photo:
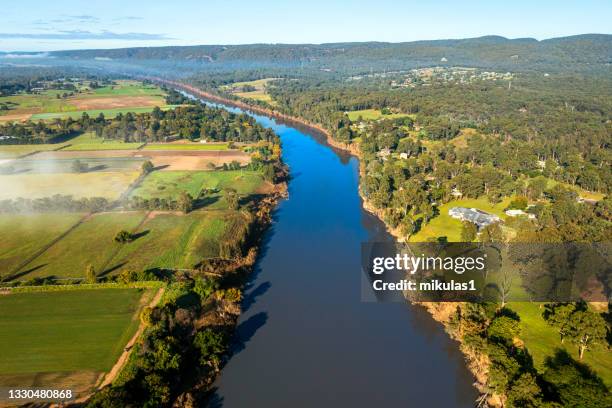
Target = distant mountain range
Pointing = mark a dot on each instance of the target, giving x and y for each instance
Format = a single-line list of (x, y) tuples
[(489, 51)]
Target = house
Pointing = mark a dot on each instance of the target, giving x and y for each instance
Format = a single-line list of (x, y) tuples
[(404, 156), (456, 193), (478, 217)]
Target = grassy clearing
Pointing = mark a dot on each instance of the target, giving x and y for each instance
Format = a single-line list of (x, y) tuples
[(172, 241), (542, 340), (373, 114), (445, 226), (186, 146), (169, 184), (589, 195), (258, 94), (66, 331), (94, 184), (91, 243), (25, 234)]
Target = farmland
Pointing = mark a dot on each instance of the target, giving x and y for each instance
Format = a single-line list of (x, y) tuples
[(92, 184), (29, 234), (88, 141), (90, 243), (71, 336), (169, 183), (187, 146), (111, 100)]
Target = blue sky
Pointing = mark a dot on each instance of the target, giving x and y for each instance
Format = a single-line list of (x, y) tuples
[(40, 25)]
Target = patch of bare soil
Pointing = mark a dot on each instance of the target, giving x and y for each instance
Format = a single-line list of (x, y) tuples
[(115, 102)]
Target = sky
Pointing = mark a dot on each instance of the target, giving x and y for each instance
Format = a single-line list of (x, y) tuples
[(43, 25)]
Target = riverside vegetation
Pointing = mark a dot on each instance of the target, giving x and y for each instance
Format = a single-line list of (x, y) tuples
[(162, 256)]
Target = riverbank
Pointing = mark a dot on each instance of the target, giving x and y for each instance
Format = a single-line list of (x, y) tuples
[(439, 312)]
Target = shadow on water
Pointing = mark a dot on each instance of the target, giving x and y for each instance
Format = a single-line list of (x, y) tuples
[(251, 297)]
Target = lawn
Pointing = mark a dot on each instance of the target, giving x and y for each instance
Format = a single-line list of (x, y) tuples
[(91, 243), (66, 330), (186, 146), (22, 235), (172, 241), (168, 184), (445, 225), (589, 195), (93, 184), (541, 341), (373, 114)]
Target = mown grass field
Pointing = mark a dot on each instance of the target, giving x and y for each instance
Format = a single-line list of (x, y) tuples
[(91, 243), (169, 184), (64, 331), (88, 141), (542, 340), (446, 226), (172, 241), (186, 146), (13, 151), (93, 184), (23, 235), (373, 114)]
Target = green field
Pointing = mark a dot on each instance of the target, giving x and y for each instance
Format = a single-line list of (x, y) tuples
[(128, 88), (172, 241), (542, 339), (88, 141), (23, 235), (446, 226), (64, 331), (91, 243), (373, 114), (14, 151), (186, 146), (169, 184)]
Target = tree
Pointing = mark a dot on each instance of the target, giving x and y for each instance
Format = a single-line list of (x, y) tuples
[(90, 274), (491, 233), (232, 198), (124, 237), (468, 231), (525, 392), (586, 328), (79, 167), (557, 315), (185, 202), (147, 167), (504, 329)]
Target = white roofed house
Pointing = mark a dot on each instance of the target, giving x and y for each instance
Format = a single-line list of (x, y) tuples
[(478, 217)]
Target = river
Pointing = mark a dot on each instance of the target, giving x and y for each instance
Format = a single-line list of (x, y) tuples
[(305, 337)]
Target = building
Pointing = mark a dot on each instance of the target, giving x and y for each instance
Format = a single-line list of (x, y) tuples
[(478, 217)]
